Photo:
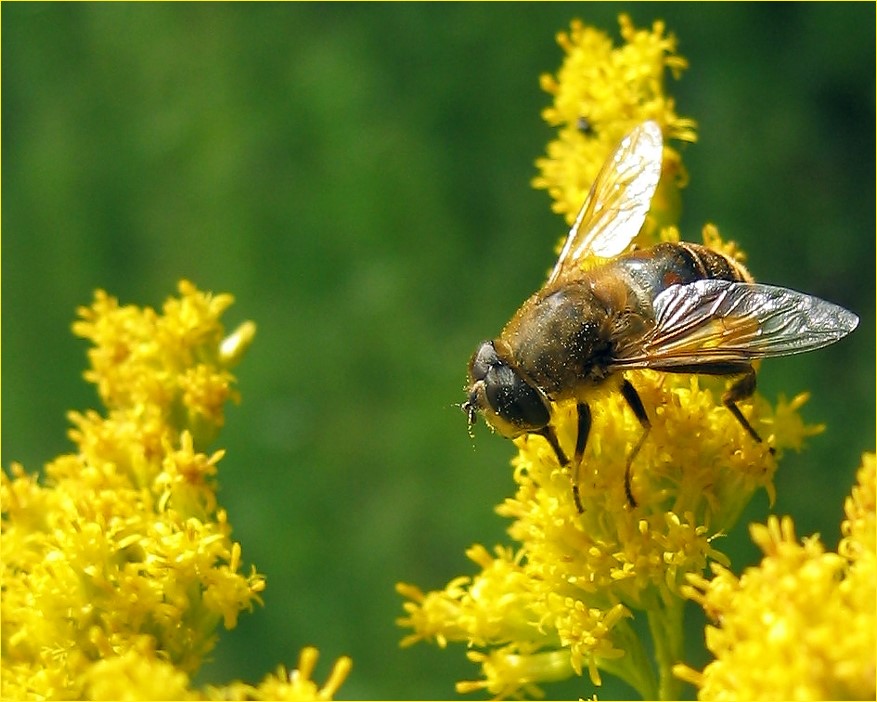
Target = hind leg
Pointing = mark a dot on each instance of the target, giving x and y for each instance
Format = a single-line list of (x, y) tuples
[(742, 389)]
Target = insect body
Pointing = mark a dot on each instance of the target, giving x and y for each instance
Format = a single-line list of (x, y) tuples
[(678, 308)]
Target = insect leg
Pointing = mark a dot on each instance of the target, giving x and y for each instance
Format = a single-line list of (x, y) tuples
[(584, 429), (548, 434), (636, 404), (741, 390)]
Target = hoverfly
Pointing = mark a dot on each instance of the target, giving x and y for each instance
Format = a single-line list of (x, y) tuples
[(674, 307)]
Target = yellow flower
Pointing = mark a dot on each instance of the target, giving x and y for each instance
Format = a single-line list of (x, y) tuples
[(564, 598), (562, 601), (171, 363), (859, 529), (138, 673), (118, 568), (510, 674), (801, 625), (295, 685), (600, 93)]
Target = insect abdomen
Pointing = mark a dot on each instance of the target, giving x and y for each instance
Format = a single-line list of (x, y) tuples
[(651, 271)]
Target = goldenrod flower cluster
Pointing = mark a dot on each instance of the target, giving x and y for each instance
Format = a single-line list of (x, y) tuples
[(803, 623), (600, 93), (118, 566), (563, 599)]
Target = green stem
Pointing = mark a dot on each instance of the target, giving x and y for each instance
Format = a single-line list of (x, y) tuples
[(634, 667), (665, 624)]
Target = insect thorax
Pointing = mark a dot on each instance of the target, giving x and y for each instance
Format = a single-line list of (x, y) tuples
[(559, 339)]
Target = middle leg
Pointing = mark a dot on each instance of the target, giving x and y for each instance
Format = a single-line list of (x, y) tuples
[(636, 404)]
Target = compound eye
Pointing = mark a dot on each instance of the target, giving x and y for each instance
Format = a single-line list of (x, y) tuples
[(514, 401)]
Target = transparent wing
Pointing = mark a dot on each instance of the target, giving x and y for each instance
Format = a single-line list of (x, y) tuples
[(719, 321), (618, 202)]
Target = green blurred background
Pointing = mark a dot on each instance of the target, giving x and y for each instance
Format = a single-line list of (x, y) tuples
[(358, 177)]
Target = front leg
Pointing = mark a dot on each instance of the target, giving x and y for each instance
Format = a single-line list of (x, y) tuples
[(584, 428), (548, 434)]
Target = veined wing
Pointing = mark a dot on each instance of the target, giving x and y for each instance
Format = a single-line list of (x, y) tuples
[(616, 206), (720, 321)]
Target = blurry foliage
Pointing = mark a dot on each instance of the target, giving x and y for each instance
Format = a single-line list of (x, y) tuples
[(358, 176)]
